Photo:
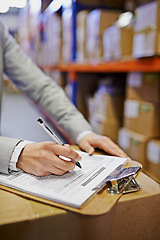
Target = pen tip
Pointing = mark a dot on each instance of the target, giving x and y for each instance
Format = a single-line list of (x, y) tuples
[(78, 164), (40, 120)]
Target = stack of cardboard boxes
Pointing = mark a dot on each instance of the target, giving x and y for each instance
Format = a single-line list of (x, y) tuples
[(106, 109), (97, 21), (81, 35), (142, 121), (67, 36), (147, 30), (117, 42), (48, 41)]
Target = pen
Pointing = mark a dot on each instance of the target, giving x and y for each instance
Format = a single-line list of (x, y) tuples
[(54, 137)]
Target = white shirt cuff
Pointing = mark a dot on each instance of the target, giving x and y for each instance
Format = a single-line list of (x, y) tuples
[(15, 155), (82, 134)]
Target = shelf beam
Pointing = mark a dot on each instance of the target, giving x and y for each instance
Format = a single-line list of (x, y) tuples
[(134, 65)]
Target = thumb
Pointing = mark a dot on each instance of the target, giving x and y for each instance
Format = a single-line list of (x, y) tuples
[(86, 147)]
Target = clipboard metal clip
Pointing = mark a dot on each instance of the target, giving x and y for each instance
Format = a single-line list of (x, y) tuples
[(123, 180)]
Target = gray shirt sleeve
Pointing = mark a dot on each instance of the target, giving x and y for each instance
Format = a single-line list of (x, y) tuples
[(41, 89)]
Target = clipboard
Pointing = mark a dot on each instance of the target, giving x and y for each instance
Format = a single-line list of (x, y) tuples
[(99, 204)]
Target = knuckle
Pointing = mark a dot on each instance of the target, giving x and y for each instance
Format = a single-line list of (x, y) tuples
[(48, 145), (105, 137), (43, 154), (69, 151), (60, 172)]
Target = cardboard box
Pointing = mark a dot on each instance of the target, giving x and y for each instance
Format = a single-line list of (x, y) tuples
[(133, 144), (143, 86), (142, 117), (24, 219), (107, 127), (97, 21), (81, 36), (117, 43), (87, 85), (67, 36), (109, 105), (134, 216), (147, 30), (44, 43), (153, 159)]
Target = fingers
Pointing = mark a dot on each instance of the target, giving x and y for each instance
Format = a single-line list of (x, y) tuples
[(93, 140), (42, 159), (64, 150), (48, 169), (86, 146), (109, 146)]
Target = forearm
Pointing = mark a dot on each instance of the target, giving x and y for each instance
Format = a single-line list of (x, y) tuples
[(41, 89)]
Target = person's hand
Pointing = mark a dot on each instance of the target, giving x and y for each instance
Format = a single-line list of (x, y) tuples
[(92, 140), (42, 159)]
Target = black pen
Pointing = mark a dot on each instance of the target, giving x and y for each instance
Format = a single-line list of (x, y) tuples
[(54, 137)]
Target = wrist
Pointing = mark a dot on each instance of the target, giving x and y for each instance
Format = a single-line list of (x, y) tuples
[(83, 134)]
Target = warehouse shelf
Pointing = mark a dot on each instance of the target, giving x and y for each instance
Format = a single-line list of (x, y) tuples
[(135, 65)]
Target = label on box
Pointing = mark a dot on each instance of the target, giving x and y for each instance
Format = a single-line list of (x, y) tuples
[(134, 80), (101, 103), (150, 43), (146, 16), (123, 139), (139, 40), (131, 109), (153, 152)]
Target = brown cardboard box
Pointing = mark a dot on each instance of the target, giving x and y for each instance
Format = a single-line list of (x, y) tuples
[(117, 43), (81, 36), (22, 219), (97, 21), (153, 159), (109, 105), (67, 36), (147, 30), (108, 127), (134, 216), (133, 144), (143, 86), (43, 49), (142, 117)]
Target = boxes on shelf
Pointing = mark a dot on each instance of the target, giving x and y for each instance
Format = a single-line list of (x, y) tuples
[(81, 35), (142, 117), (67, 36), (87, 84), (143, 86), (109, 99), (106, 108), (153, 159), (133, 144), (109, 105), (97, 21), (105, 126), (147, 30), (48, 43), (117, 43)]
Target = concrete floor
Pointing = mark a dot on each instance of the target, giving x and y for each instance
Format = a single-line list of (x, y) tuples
[(19, 119)]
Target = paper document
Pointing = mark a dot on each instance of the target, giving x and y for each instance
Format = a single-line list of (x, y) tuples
[(73, 188)]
